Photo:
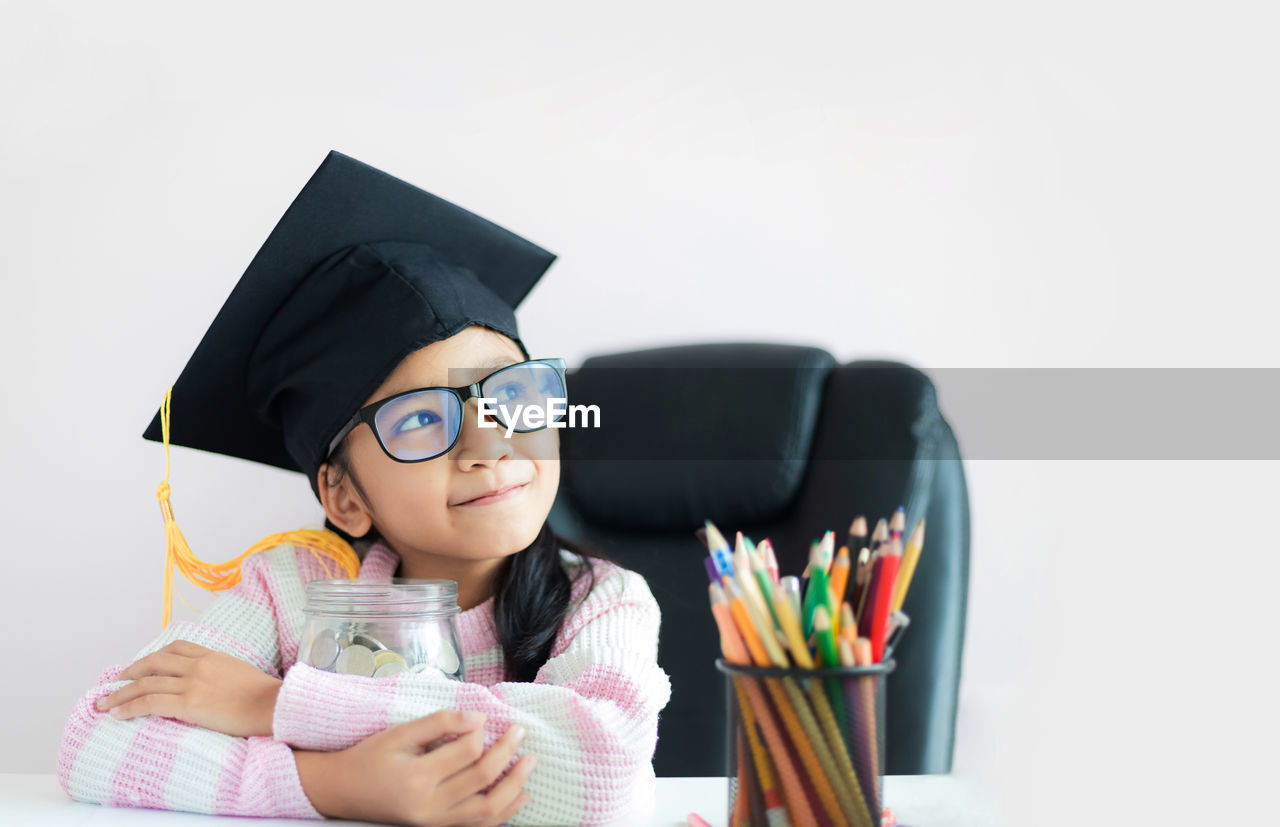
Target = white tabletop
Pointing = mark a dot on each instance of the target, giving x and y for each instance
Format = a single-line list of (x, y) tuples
[(36, 800)]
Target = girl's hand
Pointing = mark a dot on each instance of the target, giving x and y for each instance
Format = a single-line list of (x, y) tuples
[(200, 686), (388, 778)]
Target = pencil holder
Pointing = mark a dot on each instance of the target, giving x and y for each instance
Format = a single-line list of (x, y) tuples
[(805, 746)]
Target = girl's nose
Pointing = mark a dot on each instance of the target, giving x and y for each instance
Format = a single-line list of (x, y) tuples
[(478, 445)]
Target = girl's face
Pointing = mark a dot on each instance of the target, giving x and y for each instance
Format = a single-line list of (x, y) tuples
[(428, 509)]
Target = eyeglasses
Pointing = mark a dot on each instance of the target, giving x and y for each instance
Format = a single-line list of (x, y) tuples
[(424, 423)]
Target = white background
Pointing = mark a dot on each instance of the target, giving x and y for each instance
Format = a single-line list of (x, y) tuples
[(1087, 184)]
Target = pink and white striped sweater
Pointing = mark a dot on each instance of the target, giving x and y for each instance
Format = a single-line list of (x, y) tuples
[(591, 713)]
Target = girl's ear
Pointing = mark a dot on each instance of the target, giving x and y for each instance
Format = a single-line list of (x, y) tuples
[(342, 505)]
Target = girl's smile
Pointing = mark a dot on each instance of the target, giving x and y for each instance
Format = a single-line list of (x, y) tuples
[(504, 494)]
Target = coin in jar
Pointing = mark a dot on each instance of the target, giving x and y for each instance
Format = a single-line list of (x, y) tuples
[(355, 660), (447, 658), (324, 649), (387, 656), (391, 667), (368, 641), (428, 669)]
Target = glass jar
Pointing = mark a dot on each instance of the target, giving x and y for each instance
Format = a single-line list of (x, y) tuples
[(382, 628)]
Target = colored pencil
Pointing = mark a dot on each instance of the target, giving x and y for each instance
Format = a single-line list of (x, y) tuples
[(880, 609), (862, 657), (861, 577), (719, 549), (879, 535), (839, 581), (770, 560), (860, 745), (848, 626), (831, 657), (791, 588), (817, 758), (857, 533), (867, 610), (827, 551), (818, 592), (898, 523), (738, 816), (915, 543), (735, 651), (774, 809)]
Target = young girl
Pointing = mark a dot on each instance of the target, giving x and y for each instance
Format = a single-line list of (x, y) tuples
[(311, 365)]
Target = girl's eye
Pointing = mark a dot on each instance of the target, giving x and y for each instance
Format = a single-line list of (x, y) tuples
[(509, 391), (416, 420)]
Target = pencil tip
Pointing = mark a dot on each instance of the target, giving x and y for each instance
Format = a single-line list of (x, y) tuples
[(882, 530)]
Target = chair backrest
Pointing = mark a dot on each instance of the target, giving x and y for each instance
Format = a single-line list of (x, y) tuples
[(776, 441)]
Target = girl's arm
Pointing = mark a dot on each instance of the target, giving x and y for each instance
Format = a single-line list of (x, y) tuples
[(591, 714), (165, 763)]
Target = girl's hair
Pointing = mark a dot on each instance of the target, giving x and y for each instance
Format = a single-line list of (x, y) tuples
[(534, 589)]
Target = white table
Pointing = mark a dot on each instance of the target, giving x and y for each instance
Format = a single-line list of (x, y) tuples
[(36, 800)]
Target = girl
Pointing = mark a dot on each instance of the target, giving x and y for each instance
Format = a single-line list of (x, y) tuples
[(316, 346)]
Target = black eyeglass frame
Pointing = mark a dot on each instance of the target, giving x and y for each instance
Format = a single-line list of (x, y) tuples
[(369, 412)]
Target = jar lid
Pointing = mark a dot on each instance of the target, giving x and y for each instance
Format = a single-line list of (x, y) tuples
[(387, 596)]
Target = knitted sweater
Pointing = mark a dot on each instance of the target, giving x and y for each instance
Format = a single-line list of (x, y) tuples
[(591, 713)]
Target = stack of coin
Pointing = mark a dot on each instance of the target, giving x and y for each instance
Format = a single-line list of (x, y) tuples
[(352, 650)]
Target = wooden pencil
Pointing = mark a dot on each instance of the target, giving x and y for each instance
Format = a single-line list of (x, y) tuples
[(861, 576), (880, 535), (860, 744), (869, 687), (857, 533), (839, 582), (915, 543), (755, 787), (735, 651), (773, 801), (814, 748), (867, 609), (888, 567), (898, 523)]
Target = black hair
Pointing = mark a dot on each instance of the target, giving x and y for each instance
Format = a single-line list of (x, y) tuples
[(534, 589)]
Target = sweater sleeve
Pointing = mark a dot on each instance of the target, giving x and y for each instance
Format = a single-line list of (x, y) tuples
[(164, 763), (590, 715)]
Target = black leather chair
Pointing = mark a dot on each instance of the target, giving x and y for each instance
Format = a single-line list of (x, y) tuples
[(776, 441)]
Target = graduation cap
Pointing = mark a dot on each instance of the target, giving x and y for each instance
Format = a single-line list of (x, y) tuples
[(362, 270)]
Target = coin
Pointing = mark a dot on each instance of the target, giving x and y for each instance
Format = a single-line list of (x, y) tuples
[(429, 670), (368, 641), (447, 658), (355, 660), (324, 649), (391, 667), (385, 657)]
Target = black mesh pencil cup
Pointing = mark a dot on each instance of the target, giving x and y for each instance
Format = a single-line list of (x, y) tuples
[(805, 746)]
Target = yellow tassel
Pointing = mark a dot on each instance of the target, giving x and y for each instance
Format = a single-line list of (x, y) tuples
[(219, 576)]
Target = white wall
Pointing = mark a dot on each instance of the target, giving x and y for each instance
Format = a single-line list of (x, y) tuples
[(947, 184)]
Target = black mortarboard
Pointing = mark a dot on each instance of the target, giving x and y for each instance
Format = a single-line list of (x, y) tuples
[(362, 270)]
